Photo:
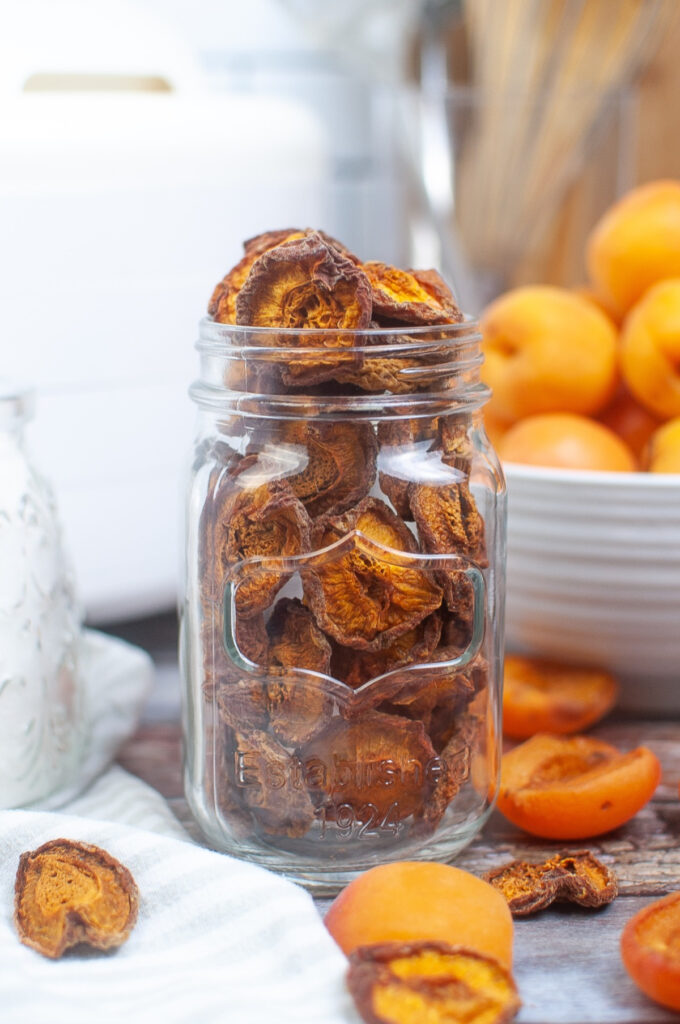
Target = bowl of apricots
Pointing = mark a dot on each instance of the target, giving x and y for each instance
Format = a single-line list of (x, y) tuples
[(585, 415)]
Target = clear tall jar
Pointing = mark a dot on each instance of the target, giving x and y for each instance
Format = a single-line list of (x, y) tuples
[(42, 714), (342, 617)]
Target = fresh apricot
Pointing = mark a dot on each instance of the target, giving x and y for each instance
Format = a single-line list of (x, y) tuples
[(542, 696), (650, 349), (547, 350), (566, 441), (650, 950), (630, 421), (574, 787), (636, 244), (662, 454), (409, 900), (605, 307)]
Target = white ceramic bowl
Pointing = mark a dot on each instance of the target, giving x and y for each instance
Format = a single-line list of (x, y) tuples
[(594, 575)]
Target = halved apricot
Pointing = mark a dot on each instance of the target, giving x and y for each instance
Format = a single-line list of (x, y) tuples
[(543, 696), (650, 950), (575, 787)]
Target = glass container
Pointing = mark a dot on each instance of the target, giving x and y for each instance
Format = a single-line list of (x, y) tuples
[(342, 616), (41, 703)]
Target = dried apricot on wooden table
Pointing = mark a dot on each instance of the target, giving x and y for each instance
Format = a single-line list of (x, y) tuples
[(568, 877), (433, 982), (68, 893), (574, 787), (650, 949), (543, 696)]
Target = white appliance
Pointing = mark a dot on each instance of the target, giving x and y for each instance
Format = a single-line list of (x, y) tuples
[(126, 187)]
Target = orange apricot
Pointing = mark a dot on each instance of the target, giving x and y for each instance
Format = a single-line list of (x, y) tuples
[(630, 421), (574, 787), (409, 900), (650, 950), (605, 307), (650, 349), (662, 454), (566, 441), (547, 350), (636, 244), (542, 696)]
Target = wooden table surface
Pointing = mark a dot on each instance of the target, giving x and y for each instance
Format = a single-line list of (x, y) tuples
[(567, 963)]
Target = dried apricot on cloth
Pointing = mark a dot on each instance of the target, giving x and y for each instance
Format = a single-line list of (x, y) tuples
[(68, 893), (561, 787), (569, 877), (543, 696), (650, 949), (418, 982), (411, 296), (363, 598)]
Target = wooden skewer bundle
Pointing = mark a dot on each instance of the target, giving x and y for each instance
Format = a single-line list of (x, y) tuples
[(544, 73)]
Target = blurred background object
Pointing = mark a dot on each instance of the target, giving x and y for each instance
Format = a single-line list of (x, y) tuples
[(142, 140), (535, 133)]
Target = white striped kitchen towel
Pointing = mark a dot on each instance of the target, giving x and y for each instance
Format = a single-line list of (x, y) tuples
[(218, 941)]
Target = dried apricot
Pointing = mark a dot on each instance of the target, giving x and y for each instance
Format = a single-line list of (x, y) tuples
[(67, 893), (305, 283), (650, 949), (574, 787), (410, 296), (222, 305), (414, 982), (543, 696), (355, 667), (361, 598), (571, 877), (339, 463), (377, 765), (245, 519)]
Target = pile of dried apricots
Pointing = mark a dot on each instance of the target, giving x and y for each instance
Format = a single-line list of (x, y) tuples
[(590, 378)]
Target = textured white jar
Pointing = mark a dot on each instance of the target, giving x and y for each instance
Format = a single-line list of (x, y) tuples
[(41, 703)]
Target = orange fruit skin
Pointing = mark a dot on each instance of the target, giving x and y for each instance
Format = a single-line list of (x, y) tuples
[(653, 968), (547, 350), (588, 803), (650, 349), (542, 696), (408, 900), (663, 451), (636, 244), (630, 421), (566, 441)]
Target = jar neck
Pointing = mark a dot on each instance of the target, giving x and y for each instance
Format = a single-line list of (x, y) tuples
[(368, 374)]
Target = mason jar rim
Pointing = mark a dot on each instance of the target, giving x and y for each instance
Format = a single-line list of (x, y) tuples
[(213, 337)]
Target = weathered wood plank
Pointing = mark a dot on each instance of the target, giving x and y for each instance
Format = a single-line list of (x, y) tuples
[(567, 963)]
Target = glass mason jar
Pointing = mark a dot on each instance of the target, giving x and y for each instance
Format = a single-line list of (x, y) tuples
[(342, 617), (41, 701)]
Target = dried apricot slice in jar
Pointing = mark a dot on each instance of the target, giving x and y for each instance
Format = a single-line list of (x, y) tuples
[(543, 696), (378, 767), (410, 983), (67, 893), (297, 710), (338, 463), (355, 667), (410, 296), (305, 283), (248, 518), (222, 305), (362, 598), (650, 950), (574, 787)]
